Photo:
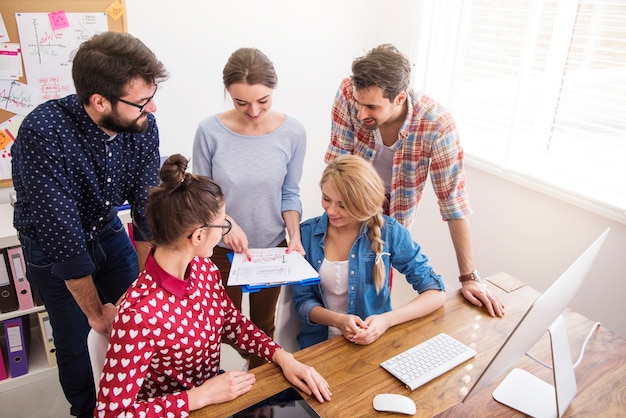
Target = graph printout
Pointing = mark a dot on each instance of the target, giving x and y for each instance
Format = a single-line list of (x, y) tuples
[(48, 52), (269, 266)]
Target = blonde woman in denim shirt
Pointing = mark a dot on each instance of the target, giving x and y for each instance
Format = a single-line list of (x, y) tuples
[(352, 246)]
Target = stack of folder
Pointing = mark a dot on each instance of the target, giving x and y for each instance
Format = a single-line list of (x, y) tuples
[(17, 335)]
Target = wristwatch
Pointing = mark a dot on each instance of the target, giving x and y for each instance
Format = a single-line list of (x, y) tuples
[(475, 275)]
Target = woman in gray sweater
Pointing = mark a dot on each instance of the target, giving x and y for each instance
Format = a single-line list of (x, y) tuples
[(256, 155)]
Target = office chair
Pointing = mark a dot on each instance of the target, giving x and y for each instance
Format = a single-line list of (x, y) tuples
[(97, 345), (287, 321)]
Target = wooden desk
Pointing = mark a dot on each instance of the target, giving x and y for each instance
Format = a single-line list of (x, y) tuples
[(355, 375)]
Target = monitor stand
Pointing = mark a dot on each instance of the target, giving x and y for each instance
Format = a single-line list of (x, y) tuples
[(527, 393)]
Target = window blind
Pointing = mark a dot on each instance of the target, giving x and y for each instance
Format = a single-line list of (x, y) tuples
[(538, 89)]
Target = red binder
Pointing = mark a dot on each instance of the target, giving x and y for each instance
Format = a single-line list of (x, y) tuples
[(8, 298), (18, 269)]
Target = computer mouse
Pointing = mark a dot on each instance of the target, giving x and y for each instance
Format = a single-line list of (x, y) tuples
[(391, 402)]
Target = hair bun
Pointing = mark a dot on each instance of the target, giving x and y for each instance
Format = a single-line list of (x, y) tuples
[(173, 171)]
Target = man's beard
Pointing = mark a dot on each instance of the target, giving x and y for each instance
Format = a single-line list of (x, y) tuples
[(113, 122)]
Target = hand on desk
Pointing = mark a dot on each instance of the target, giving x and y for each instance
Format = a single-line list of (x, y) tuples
[(221, 388), (304, 377), (478, 294), (371, 329)]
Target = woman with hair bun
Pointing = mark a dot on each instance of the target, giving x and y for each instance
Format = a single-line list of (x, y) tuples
[(164, 352), (352, 246)]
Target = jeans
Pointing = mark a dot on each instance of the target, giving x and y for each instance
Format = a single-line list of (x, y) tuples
[(116, 269)]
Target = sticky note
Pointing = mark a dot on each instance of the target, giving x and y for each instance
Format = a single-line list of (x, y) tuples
[(58, 20), (115, 10), (5, 139)]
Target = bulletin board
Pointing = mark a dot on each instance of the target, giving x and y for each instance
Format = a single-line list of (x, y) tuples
[(115, 11)]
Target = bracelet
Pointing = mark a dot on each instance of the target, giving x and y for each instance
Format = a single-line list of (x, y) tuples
[(475, 275)]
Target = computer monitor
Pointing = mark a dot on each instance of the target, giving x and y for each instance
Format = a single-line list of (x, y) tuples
[(521, 390)]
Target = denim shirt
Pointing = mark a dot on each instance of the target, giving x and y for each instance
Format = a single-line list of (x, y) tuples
[(399, 250)]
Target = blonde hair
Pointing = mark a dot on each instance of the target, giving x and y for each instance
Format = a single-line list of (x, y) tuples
[(362, 194)]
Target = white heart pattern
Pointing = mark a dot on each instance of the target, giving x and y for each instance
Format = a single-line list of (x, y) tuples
[(166, 339)]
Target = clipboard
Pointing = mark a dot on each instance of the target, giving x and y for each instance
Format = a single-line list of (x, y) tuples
[(270, 267)]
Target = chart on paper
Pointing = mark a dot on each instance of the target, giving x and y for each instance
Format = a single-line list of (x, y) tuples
[(268, 266), (48, 52)]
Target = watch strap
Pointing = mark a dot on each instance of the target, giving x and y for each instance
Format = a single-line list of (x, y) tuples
[(474, 275)]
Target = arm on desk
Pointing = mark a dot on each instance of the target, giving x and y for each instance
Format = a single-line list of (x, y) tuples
[(376, 325), (221, 388), (304, 377)]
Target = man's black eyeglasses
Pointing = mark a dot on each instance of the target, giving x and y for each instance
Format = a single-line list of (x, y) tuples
[(138, 106), (225, 228)]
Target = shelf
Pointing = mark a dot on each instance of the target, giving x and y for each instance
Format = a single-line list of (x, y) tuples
[(8, 234), (38, 367), (19, 312)]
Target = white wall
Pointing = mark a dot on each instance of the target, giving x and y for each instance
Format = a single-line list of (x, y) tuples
[(528, 234), (534, 237), (311, 45)]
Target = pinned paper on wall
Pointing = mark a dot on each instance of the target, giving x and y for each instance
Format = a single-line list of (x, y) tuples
[(18, 97), (4, 35), (48, 52), (10, 61), (8, 132), (58, 20), (116, 9)]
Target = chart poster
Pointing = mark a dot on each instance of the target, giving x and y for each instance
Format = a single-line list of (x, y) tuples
[(48, 44)]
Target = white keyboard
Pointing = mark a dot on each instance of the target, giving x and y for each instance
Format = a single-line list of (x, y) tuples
[(428, 360)]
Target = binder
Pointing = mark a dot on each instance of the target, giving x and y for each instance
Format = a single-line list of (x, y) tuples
[(18, 269), (47, 338), (8, 298), (17, 333), (3, 366)]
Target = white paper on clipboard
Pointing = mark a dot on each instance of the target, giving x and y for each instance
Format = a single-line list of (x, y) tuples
[(270, 266)]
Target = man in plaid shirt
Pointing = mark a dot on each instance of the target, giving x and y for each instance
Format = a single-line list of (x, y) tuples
[(377, 116)]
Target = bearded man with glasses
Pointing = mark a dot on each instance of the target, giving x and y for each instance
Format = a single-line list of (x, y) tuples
[(75, 160)]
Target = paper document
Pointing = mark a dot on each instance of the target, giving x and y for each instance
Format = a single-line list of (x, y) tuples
[(270, 266)]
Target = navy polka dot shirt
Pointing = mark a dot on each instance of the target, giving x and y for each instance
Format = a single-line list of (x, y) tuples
[(70, 177)]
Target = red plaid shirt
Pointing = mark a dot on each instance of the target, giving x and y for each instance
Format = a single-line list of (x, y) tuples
[(428, 140)]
